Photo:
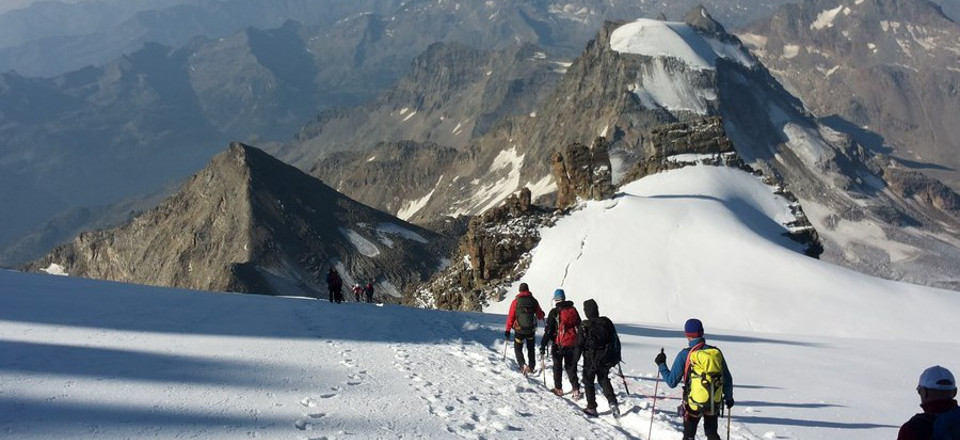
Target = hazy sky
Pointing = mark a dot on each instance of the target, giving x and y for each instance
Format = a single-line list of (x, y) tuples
[(7, 5)]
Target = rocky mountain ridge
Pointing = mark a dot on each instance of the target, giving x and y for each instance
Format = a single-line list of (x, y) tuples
[(250, 223), (840, 184), (882, 71)]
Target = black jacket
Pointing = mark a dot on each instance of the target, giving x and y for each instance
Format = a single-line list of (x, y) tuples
[(596, 332)]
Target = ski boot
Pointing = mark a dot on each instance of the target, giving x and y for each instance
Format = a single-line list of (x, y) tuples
[(615, 410), (590, 412), (558, 392), (576, 395)]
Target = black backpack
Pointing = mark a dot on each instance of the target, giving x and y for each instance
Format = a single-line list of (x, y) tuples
[(526, 312), (604, 342)]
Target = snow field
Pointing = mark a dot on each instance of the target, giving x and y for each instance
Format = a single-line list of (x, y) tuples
[(657, 38), (708, 242), (91, 359), (816, 351)]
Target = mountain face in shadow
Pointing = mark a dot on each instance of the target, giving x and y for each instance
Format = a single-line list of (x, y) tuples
[(250, 223)]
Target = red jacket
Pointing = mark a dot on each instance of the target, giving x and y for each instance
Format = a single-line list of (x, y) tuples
[(512, 316)]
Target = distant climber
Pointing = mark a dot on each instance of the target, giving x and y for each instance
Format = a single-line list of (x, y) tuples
[(522, 319), (368, 291), (707, 383), (600, 346), (940, 419), (357, 291), (335, 286), (560, 333)]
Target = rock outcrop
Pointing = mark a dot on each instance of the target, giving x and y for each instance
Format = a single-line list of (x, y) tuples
[(494, 252), (673, 146), (582, 172), (925, 190)]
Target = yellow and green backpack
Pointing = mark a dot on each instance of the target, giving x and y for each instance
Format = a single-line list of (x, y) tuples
[(703, 379)]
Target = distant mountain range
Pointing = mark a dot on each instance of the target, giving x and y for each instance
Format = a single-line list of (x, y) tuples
[(884, 71), (138, 122), (627, 92), (469, 124)]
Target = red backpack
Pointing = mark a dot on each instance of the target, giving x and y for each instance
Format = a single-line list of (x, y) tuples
[(568, 320)]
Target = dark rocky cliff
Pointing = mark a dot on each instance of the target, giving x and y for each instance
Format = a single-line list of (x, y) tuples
[(250, 223)]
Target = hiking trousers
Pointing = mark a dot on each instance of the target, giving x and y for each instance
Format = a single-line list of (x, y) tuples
[(709, 426), (565, 358), (601, 375), (518, 342)]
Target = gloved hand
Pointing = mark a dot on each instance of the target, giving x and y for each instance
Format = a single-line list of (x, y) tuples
[(543, 351), (729, 402), (661, 358), (506, 334)]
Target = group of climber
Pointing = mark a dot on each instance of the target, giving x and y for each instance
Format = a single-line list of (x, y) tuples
[(707, 383), (335, 288), (700, 368)]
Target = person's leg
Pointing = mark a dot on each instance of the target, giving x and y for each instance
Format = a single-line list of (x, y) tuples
[(588, 384), (570, 364), (518, 350), (690, 426), (710, 427), (532, 352), (557, 355), (603, 376)]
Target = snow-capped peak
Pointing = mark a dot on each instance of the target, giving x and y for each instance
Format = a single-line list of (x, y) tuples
[(657, 38)]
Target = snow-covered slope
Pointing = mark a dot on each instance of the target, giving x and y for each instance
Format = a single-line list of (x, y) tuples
[(91, 359), (707, 241), (655, 38)]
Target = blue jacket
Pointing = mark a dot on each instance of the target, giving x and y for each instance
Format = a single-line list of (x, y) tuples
[(675, 375)]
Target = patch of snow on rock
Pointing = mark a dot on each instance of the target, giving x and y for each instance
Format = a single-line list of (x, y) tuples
[(491, 194), (55, 269), (825, 18), (394, 229), (660, 88), (656, 38), (412, 207), (390, 289), (546, 185), (790, 51), (361, 244), (807, 144)]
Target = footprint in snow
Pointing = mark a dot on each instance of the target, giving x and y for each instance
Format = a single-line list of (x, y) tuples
[(303, 425)]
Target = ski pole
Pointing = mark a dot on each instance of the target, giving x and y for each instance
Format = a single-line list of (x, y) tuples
[(627, 389), (654, 408), (504, 349), (729, 414), (543, 366)]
